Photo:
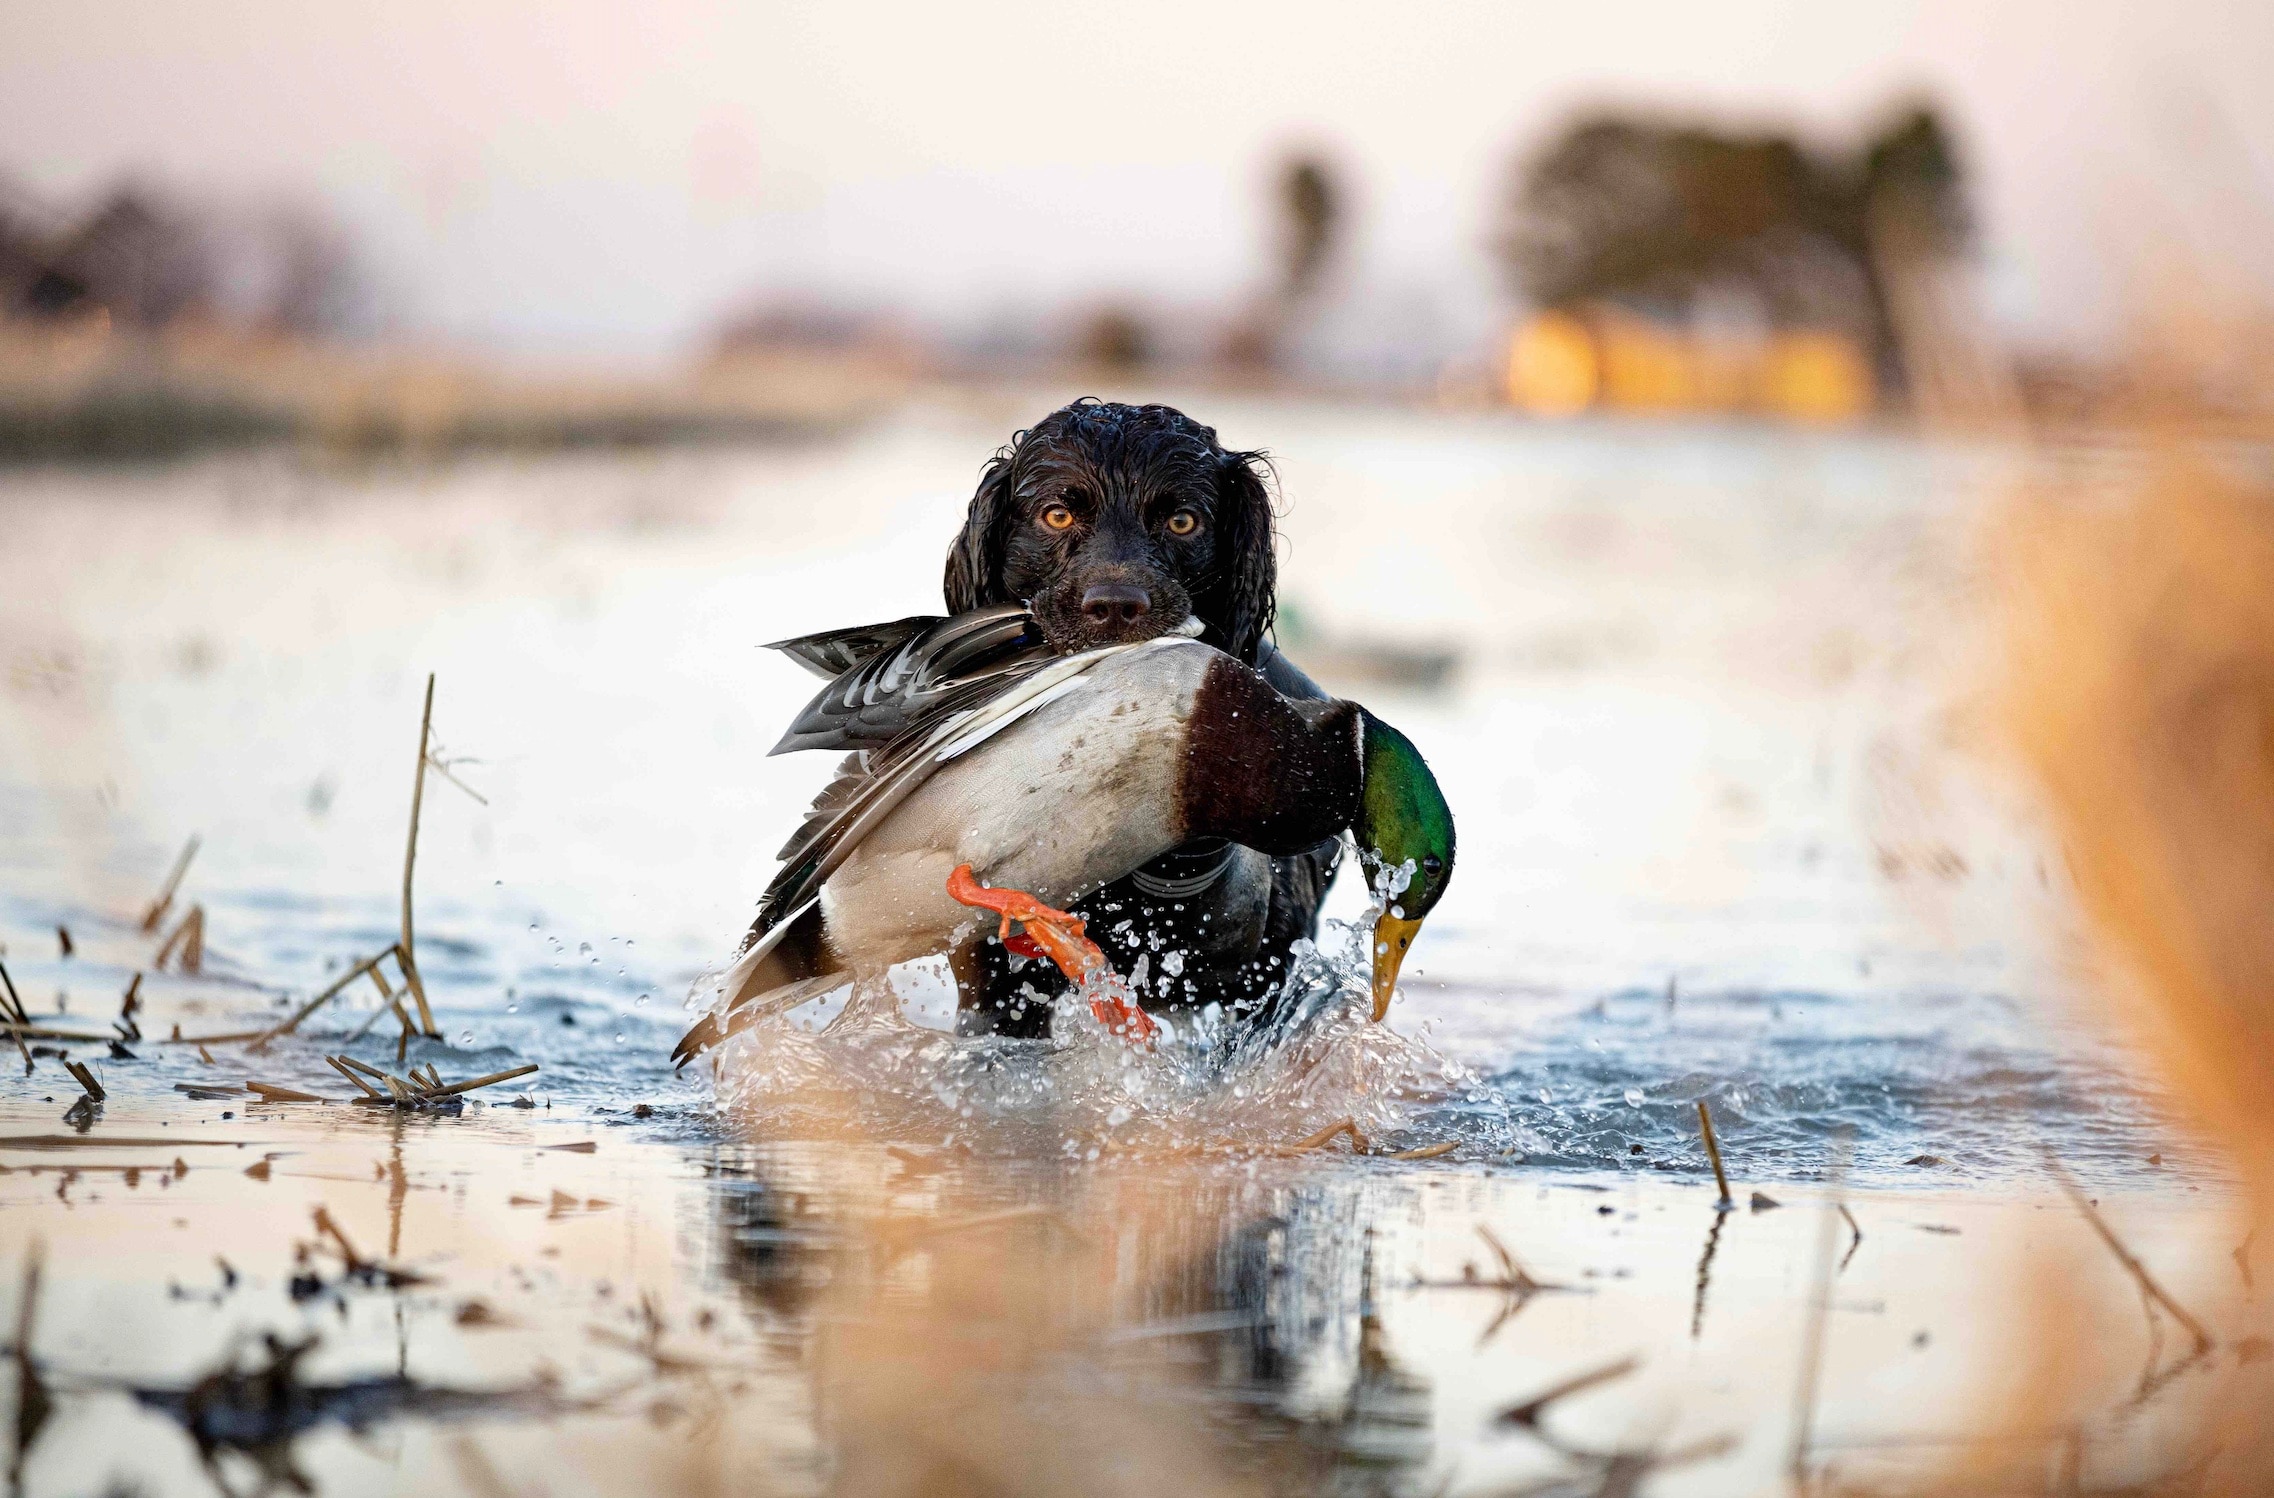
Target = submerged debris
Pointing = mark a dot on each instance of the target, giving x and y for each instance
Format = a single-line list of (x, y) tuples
[(258, 1412), (428, 1091)]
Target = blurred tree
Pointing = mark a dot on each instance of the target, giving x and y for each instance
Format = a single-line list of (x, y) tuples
[(147, 260), (1662, 219), (137, 257), (1310, 209), (1308, 213)]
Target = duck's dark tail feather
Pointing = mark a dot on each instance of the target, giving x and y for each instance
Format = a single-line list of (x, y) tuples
[(793, 966)]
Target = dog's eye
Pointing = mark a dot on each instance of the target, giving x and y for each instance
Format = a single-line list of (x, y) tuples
[(1058, 517), (1183, 523)]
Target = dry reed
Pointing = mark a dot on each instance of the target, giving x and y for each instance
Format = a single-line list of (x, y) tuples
[(2136, 693)]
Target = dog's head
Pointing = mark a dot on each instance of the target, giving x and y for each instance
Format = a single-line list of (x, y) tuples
[(1116, 523)]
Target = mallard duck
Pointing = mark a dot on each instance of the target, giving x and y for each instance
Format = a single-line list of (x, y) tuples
[(976, 744)]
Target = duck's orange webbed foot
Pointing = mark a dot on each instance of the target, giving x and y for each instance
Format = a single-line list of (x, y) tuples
[(1057, 935)]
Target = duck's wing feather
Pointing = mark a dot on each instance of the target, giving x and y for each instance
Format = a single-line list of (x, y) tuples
[(870, 783), (833, 652), (896, 693)]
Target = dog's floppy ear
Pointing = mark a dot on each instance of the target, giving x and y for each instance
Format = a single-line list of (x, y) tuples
[(974, 562), (1247, 596)]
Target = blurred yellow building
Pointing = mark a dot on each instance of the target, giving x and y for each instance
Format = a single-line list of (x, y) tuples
[(1602, 358)]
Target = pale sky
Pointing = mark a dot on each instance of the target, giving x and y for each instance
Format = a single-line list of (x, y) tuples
[(583, 176)]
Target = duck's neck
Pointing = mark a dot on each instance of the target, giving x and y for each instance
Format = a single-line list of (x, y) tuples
[(1276, 775)]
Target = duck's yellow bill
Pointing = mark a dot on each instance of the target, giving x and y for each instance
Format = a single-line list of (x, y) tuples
[(1392, 935)]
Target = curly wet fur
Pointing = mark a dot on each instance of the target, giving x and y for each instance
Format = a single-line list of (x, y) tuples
[(1124, 471)]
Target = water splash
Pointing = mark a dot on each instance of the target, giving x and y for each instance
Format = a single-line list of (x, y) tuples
[(1208, 1081)]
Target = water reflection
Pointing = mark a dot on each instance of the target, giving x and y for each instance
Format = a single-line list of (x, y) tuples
[(982, 1326)]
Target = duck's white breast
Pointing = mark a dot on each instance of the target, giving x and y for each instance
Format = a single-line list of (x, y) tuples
[(1074, 795)]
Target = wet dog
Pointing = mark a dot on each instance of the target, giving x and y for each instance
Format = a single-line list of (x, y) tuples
[(1116, 523)]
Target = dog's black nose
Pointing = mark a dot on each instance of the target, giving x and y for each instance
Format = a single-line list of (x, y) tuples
[(1115, 604)]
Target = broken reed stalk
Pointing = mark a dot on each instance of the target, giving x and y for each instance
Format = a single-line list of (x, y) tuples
[(190, 934), (2139, 1272), (361, 1086), (86, 1079), (1819, 1312), (44, 1032), (190, 937), (271, 1093), (234, 1037), (410, 860), (400, 1091), (491, 1080), (15, 1004), (158, 907), (127, 1005), (15, 1008), (1713, 1153)]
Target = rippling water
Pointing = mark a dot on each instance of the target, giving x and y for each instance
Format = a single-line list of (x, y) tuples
[(1699, 725), (1714, 844)]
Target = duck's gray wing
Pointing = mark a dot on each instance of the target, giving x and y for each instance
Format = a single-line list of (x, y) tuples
[(870, 783), (867, 787), (894, 695), (833, 652)]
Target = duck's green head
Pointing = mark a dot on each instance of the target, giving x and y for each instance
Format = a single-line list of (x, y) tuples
[(1404, 831)]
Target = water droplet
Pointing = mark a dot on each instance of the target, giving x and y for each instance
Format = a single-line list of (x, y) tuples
[(640, 1002), (465, 1037), (584, 949), (513, 1009), (1634, 1097), (619, 1037)]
